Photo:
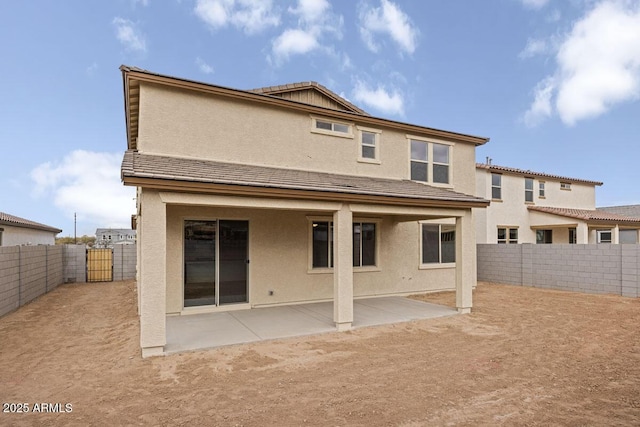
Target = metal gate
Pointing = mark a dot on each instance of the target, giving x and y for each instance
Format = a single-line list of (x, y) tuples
[(99, 265)]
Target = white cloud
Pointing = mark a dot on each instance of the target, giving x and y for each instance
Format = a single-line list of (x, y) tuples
[(142, 2), (387, 19), (91, 69), (535, 4), (252, 16), (316, 23), (541, 107), (534, 47), (598, 63), (129, 35), (88, 183), (203, 66), (380, 98)]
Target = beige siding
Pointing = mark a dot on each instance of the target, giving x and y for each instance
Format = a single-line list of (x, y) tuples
[(180, 123)]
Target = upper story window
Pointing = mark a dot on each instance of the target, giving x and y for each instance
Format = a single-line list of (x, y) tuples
[(565, 186), (528, 190), (369, 147), (437, 170), (541, 189), (496, 186), (331, 127)]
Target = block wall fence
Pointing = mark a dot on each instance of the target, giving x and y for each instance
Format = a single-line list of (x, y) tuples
[(599, 269), (26, 272)]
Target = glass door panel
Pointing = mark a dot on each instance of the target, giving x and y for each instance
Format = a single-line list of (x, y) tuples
[(199, 263), (233, 261)]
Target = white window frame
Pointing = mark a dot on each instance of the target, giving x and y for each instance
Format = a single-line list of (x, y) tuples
[(528, 190), (499, 187), (430, 159), (541, 190), (508, 239), (565, 186), (322, 270), (599, 234), (331, 132), (376, 146), (450, 226)]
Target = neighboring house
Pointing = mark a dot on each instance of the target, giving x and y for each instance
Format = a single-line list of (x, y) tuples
[(16, 231), (286, 195), (535, 207), (107, 237)]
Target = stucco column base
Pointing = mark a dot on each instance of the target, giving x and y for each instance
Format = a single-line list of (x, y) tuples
[(464, 310), (152, 351), (340, 327)]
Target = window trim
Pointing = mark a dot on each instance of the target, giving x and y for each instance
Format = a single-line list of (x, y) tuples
[(541, 190), (434, 265), (507, 240), (529, 190), (430, 160), (566, 186), (499, 187), (599, 236), (377, 133), (329, 219), (315, 129)]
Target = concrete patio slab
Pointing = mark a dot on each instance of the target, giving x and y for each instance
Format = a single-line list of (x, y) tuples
[(210, 330)]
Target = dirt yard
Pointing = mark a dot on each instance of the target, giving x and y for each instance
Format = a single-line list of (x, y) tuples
[(524, 357)]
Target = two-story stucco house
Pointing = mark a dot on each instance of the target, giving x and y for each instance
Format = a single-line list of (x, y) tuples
[(16, 231), (286, 195), (535, 207), (108, 237)]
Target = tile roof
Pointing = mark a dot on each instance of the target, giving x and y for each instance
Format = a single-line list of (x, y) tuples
[(290, 87), (627, 210), (16, 221), (523, 172), (586, 214), (139, 165)]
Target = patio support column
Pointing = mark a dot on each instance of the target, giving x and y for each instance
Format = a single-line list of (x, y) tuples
[(615, 235), (582, 234), (153, 287), (466, 274), (343, 268)]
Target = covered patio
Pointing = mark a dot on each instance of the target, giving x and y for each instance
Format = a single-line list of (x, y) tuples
[(211, 330)]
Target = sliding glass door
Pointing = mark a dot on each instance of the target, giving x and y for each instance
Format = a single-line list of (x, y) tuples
[(215, 262)]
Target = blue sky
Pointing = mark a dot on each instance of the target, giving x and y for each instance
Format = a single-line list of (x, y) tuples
[(554, 84)]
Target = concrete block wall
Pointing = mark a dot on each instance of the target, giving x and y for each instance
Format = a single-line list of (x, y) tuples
[(124, 262), (9, 279), (602, 269), (33, 272), (75, 263)]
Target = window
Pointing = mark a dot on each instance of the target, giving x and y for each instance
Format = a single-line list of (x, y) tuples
[(439, 171), (626, 236), (330, 127), (419, 161), (496, 186), (369, 145), (364, 244), (438, 244), (605, 236), (544, 236), (573, 239), (528, 190), (507, 235), (541, 190), (565, 186)]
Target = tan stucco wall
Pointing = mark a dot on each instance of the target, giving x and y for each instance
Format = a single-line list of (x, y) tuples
[(14, 236), (512, 209), (279, 257), (180, 123)]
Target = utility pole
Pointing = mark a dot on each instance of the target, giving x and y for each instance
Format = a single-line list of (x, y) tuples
[(75, 235)]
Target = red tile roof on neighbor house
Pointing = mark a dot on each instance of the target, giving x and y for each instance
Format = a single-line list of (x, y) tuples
[(587, 215), (16, 221), (523, 172)]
